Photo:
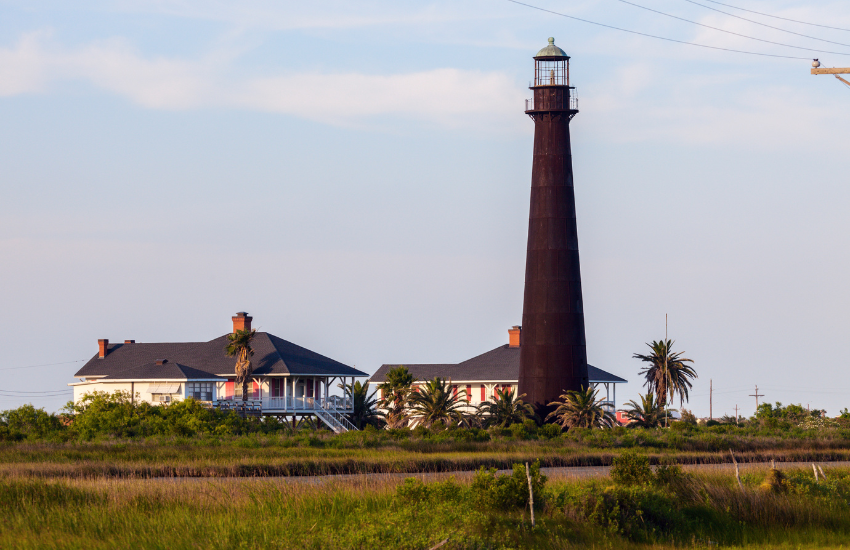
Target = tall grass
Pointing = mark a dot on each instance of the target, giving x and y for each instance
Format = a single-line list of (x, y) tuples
[(310, 454), (701, 511)]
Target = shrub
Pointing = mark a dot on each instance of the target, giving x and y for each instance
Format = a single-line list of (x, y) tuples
[(669, 474), (774, 482), (507, 491), (631, 468), (549, 431), (681, 426), (518, 431), (632, 512)]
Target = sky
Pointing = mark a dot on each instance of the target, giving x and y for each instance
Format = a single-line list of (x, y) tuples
[(356, 176)]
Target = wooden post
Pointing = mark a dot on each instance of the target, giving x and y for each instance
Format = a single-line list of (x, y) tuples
[(815, 470), (711, 399), (757, 395), (823, 475), (530, 493), (737, 472)]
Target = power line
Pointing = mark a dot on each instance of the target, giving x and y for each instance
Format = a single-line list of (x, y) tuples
[(45, 365), (22, 393), (777, 17), (729, 32), (655, 36), (764, 24)]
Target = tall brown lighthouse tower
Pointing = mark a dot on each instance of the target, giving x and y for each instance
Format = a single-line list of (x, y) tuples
[(553, 356)]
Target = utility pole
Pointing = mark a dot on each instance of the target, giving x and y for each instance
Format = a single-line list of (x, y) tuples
[(736, 414), (757, 395), (666, 372), (834, 71), (711, 400)]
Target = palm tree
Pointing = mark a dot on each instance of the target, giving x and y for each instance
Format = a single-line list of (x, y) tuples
[(239, 346), (394, 393), (436, 403), (581, 409), (506, 409), (364, 405), (647, 414), (667, 372)]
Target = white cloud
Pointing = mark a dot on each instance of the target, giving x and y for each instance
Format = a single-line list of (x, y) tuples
[(444, 96)]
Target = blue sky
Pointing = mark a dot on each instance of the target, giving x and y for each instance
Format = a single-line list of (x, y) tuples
[(356, 176)]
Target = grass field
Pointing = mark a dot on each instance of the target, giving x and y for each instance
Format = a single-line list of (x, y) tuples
[(320, 453), (681, 510)]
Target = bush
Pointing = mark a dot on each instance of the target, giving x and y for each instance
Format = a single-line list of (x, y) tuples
[(631, 468), (507, 491), (680, 426), (518, 431), (549, 431), (414, 491), (633, 512), (669, 474)]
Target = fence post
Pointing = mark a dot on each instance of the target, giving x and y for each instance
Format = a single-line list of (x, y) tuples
[(530, 493)]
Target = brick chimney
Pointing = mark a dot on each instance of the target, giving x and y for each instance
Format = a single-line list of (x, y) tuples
[(513, 336), (161, 361), (242, 321), (129, 341), (102, 346)]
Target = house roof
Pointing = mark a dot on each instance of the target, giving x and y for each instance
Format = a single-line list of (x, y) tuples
[(165, 371), (272, 356), (497, 365)]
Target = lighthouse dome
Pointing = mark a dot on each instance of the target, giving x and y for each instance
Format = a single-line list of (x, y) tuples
[(551, 50)]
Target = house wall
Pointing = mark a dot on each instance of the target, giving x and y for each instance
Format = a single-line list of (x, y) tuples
[(141, 389), (475, 390)]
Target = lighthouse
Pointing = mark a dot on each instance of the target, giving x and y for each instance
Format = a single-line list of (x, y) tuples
[(553, 355)]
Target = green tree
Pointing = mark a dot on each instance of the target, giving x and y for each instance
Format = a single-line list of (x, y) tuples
[(239, 346), (365, 405), (581, 409), (649, 413), (28, 422), (667, 373), (435, 403), (395, 391), (507, 408)]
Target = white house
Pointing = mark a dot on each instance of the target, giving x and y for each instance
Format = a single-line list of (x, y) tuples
[(287, 380), (497, 368)]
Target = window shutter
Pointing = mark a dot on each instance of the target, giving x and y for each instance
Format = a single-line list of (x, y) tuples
[(255, 393), (468, 393), (483, 396), (229, 389)]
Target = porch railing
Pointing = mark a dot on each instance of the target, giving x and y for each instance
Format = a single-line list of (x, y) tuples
[(332, 403)]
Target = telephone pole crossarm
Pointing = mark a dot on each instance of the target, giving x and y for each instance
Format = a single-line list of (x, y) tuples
[(839, 70)]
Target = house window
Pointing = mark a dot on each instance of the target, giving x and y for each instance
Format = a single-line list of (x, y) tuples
[(201, 391), (161, 397)]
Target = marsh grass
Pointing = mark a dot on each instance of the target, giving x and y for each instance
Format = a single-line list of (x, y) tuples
[(688, 510), (365, 452)]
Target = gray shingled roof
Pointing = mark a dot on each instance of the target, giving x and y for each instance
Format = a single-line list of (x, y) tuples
[(497, 365), (166, 371), (272, 355)]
